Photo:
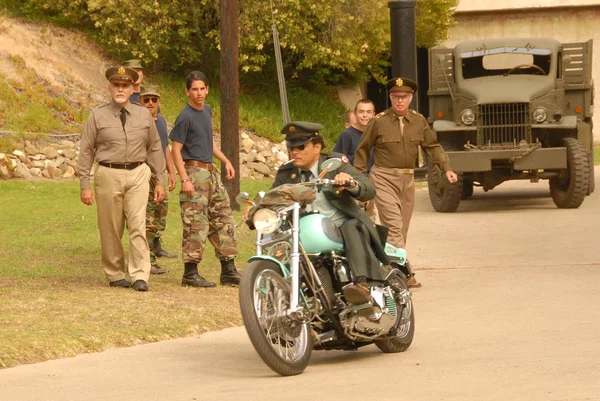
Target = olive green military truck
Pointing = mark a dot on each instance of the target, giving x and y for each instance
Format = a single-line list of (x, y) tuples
[(513, 109)]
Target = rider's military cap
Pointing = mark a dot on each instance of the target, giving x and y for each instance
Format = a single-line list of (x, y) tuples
[(122, 73), (133, 63), (150, 90), (401, 85), (299, 132)]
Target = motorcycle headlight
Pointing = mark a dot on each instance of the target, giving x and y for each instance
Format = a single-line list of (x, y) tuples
[(467, 117), (266, 221), (539, 115)]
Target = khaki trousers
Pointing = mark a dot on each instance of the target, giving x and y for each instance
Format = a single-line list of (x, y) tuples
[(395, 201), (122, 196)]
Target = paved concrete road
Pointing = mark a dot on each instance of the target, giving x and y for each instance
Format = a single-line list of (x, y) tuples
[(508, 311)]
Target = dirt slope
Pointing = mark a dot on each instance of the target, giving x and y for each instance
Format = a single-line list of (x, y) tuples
[(66, 60)]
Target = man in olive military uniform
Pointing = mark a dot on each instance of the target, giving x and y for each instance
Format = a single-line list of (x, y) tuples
[(122, 137), (156, 213), (136, 64), (205, 207), (395, 136), (305, 145)]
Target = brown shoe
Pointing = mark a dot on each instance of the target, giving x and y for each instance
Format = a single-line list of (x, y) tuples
[(357, 294), (413, 283), (156, 269)]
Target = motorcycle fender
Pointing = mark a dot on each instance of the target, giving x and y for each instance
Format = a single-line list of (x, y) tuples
[(284, 270)]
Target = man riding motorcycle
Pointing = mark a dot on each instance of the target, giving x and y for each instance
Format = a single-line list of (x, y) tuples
[(305, 145)]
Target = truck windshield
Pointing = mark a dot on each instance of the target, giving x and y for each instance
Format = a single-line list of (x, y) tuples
[(505, 61)]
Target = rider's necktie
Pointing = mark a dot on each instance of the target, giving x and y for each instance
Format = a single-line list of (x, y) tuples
[(306, 175)]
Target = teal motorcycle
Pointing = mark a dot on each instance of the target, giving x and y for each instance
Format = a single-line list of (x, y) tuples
[(291, 293)]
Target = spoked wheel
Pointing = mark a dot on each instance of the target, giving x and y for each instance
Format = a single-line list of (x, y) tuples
[(283, 343), (404, 329)]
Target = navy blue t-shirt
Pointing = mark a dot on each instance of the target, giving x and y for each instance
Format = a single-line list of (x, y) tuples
[(193, 129), (135, 98), (161, 126), (348, 142)]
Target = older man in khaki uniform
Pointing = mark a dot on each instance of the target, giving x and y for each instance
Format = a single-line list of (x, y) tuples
[(395, 135), (122, 138)]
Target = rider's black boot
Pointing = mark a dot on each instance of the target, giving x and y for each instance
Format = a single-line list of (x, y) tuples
[(229, 274)]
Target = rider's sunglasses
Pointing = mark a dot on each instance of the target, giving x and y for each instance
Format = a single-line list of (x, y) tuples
[(299, 147), (147, 99)]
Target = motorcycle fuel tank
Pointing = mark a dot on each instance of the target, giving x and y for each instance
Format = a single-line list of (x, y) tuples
[(319, 234)]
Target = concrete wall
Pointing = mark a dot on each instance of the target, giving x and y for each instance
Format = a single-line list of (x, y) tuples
[(572, 24)]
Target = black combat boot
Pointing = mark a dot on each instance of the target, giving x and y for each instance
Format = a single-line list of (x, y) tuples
[(159, 251), (229, 274), (191, 278)]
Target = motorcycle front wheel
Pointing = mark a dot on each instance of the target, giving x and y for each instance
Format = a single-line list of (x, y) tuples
[(405, 323), (284, 344)]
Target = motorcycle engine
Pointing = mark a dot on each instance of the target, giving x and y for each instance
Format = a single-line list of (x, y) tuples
[(373, 319)]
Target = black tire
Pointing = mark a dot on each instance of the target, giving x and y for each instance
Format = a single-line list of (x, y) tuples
[(406, 331), (467, 190), (569, 189), (445, 197), (262, 289), (591, 175)]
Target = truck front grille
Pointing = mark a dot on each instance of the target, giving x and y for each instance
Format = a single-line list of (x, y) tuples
[(503, 124)]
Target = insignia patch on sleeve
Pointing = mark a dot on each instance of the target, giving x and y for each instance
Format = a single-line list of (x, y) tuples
[(344, 159)]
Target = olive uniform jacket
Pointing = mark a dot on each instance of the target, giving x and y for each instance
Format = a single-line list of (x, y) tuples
[(346, 203)]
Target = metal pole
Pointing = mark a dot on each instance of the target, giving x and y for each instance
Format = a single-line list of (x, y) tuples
[(230, 81), (280, 77), (404, 41)]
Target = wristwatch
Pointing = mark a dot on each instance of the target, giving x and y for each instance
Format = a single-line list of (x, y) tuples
[(186, 180)]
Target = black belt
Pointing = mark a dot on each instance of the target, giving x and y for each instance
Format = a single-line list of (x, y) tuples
[(125, 166)]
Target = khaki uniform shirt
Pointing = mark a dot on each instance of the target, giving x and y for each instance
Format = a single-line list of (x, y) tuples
[(394, 148), (105, 140)]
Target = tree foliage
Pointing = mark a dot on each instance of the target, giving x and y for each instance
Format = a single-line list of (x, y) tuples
[(334, 41)]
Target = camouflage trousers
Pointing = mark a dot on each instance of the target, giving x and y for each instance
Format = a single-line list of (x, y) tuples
[(156, 220), (207, 213)]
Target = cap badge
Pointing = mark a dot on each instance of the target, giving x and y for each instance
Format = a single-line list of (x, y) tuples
[(121, 71), (399, 82), (292, 129)]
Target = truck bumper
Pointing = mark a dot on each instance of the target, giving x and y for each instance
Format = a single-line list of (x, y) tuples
[(481, 160)]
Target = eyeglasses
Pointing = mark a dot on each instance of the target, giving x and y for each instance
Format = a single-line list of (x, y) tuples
[(120, 85), (147, 99), (299, 147), (405, 98)]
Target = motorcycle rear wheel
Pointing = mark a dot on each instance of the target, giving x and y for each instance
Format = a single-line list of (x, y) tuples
[(406, 330), (284, 344)]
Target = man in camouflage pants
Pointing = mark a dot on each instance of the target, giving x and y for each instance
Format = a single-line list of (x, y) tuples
[(156, 213), (205, 208)]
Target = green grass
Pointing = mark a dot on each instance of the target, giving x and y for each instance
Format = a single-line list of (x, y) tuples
[(596, 154), (54, 299)]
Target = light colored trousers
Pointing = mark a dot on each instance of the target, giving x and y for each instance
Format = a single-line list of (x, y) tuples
[(122, 196)]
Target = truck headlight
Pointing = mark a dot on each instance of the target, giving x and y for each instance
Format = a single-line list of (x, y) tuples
[(467, 117), (539, 115), (266, 221)]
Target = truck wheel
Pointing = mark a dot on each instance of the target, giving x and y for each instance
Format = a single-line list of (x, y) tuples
[(591, 175), (569, 189), (445, 197), (467, 190)]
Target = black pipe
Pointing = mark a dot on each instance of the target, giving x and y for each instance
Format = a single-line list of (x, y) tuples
[(404, 41)]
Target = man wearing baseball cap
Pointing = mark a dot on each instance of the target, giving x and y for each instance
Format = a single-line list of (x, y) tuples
[(136, 64), (122, 138), (395, 136)]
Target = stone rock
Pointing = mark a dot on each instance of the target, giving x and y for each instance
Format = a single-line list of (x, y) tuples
[(45, 174), (244, 171), (68, 173), (51, 171), (266, 153), (18, 152), (31, 150), (49, 152), (66, 145), (39, 164), (25, 161), (35, 171), (4, 173), (282, 157), (244, 136), (248, 143), (3, 160), (39, 156), (260, 158), (69, 153), (22, 171), (261, 168)]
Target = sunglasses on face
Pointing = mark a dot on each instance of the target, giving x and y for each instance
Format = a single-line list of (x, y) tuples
[(299, 147), (147, 99)]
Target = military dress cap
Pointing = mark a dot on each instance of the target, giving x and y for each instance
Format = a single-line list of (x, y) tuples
[(149, 90), (299, 132), (122, 73), (133, 63), (401, 85)]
